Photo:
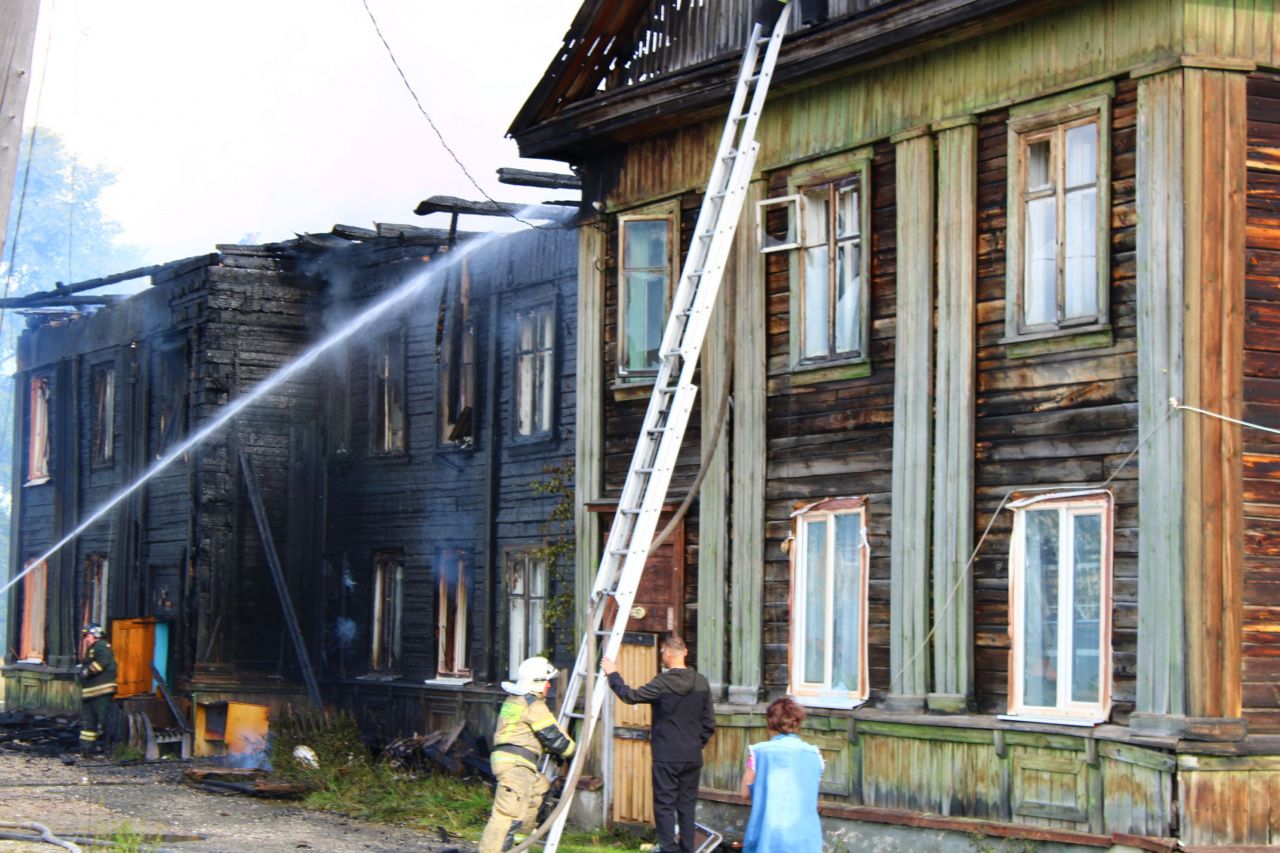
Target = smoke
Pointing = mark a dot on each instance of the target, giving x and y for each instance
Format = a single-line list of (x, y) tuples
[(344, 631)]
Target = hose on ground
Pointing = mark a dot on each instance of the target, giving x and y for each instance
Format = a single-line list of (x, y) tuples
[(43, 834)]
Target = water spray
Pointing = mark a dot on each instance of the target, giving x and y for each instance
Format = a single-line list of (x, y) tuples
[(383, 306)]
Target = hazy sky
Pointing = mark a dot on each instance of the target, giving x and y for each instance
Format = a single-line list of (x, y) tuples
[(261, 118)]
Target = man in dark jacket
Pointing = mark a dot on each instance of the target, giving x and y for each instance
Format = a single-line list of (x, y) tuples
[(683, 722), (97, 688)]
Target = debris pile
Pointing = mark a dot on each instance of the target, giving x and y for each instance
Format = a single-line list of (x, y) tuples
[(455, 752), (231, 780), (23, 732)]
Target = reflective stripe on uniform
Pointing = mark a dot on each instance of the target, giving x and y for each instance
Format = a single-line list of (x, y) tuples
[(98, 690), (94, 667), (88, 734)]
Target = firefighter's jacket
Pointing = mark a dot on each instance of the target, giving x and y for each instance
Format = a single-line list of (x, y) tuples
[(99, 671), (526, 729)]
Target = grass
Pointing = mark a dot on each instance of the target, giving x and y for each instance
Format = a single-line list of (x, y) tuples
[(346, 779), (126, 839)]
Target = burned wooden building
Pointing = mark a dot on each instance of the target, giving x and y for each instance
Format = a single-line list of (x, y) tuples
[(1004, 270), (398, 476)]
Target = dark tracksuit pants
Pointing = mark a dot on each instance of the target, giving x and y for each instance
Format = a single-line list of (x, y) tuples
[(93, 720), (675, 800)]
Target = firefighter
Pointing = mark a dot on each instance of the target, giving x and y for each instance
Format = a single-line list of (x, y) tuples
[(526, 729), (97, 688)]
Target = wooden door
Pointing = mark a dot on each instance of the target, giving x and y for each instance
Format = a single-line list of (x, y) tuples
[(632, 762), (133, 643)]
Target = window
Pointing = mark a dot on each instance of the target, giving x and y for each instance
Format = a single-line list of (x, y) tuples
[(453, 576), (829, 560), (35, 587), (338, 404), (647, 248), (169, 395), (38, 432), (387, 397), (388, 583), (93, 590), (1059, 175), (535, 374), (456, 357), (527, 594), (103, 423), (1060, 607), (822, 226)]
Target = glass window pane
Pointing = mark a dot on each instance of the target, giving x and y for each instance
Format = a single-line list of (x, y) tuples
[(1039, 165), (547, 380), (524, 332), (516, 635), (1082, 155), (644, 315), (1081, 253), (817, 213), (1040, 296), (537, 630), (848, 297), (847, 602), (524, 395), (1086, 610), (815, 602), (817, 310), (645, 243), (1040, 609), (847, 224), (537, 577)]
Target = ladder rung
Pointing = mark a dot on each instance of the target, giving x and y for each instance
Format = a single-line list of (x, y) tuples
[(670, 389), (629, 510), (656, 429), (619, 552), (732, 153), (675, 353), (645, 470), (764, 40)]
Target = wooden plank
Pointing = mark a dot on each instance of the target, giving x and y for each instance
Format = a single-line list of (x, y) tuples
[(912, 427), (588, 416), (750, 450), (954, 417)]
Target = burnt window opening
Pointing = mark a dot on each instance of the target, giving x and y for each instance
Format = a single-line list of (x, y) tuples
[(535, 371), (526, 614), (170, 394), (38, 432), (388, 599), (388, 385), (456, 357), (453, 581), (338, 408), (35, 590), (93, 590), (102, 427)]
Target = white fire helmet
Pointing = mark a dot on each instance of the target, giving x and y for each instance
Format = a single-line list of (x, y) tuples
[(531, 675)]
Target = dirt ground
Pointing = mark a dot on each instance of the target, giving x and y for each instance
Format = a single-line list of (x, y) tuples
[(95, 798)]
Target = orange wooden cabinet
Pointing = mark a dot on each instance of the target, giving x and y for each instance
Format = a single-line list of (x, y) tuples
[(134, 643)]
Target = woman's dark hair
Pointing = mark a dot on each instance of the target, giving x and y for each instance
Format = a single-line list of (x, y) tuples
[(785, 716)]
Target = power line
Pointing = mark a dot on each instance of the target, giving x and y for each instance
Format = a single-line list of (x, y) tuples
[(427, 116)]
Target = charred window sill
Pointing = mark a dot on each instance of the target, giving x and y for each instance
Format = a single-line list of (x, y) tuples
[(379, 676), (36, 481)]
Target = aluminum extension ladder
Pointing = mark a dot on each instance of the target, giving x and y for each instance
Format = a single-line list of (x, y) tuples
[(645, 490)]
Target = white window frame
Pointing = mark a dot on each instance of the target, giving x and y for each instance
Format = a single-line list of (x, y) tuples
[(814, 693), (38, 431), (540, 360), (670, 213), (386, 626), (805, 182), (451, 597), (1027, 124), (525, 599), (1068, 505)]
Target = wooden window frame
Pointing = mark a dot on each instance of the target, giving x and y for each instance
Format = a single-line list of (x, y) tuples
[(452, 596), (38, 424), (102, 420), (1068, 504), (1027, 124), (386, 628), (519, 357), (456, 355), (521, 561), (830, 174), (172, 353), (95, 590), (338, 408), (33, 617), (389, 350), (668, 211), (821, 694)]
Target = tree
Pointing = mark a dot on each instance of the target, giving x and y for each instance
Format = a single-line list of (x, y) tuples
[(57, 232)]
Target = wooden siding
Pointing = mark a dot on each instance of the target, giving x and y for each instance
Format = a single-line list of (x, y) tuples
[(1261, 452), (1049, 417), (833, 438), (1229, 801)]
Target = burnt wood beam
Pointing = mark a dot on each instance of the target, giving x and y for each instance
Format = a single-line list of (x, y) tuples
[(835, 49), (62, 290), (543, 180), (456, 206), (57, 301)]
